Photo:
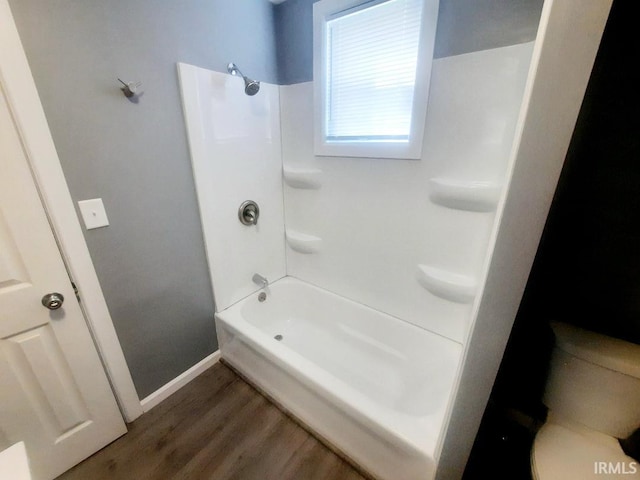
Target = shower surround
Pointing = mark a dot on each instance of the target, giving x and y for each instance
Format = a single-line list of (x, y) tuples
[(374, 264)]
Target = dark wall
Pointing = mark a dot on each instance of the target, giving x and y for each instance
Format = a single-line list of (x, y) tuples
[(463, 26), (587, 270)]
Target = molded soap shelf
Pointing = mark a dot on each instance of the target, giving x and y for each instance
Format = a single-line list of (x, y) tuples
[(308, 178), (450, 286), (302, 242), (475, 196)]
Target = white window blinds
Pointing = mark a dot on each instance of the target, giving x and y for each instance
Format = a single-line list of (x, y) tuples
[(372, 53)]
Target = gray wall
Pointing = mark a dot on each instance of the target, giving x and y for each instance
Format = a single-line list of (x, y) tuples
[(150, 260), (463, 26)]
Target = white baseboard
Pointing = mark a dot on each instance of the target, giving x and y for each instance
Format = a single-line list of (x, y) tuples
[(180, 381)]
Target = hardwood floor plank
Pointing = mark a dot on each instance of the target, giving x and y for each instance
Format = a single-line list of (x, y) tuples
[(268, 463), (224, 445), (217, 427), (168, 442), (310, 463), (203, 438)]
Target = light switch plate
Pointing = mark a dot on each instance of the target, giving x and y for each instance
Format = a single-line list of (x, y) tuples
[(93, 213)]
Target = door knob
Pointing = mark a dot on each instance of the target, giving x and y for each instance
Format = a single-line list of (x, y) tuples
[(53, 301)]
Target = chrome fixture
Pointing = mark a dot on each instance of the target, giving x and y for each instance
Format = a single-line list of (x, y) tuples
[(249, 212), (251, 87), (262, 297), (53, 301), (130, 89), (260, 280)]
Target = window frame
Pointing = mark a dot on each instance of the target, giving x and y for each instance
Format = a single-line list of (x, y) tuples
[(326, 10)]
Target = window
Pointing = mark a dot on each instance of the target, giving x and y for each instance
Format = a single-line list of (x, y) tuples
[(372, 63)]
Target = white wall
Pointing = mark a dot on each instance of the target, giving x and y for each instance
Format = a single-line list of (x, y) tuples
[(235, 152), (362, 228)]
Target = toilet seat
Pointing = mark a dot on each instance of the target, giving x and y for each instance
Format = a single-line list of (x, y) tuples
[(567, 451)]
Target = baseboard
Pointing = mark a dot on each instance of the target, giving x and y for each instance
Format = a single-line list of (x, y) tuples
[(180, 381)]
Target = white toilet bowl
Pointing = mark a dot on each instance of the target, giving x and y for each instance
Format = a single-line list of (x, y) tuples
[(593, 396), (563, 451)]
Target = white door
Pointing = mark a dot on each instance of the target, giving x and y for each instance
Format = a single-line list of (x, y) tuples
[(54, 394)]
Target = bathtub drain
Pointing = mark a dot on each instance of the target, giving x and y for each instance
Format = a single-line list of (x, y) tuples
[(278, 337)]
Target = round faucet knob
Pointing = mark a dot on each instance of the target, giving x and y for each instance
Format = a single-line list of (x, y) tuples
[(248, 213)]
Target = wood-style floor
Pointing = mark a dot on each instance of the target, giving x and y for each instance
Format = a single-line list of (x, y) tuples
[(216, 427)]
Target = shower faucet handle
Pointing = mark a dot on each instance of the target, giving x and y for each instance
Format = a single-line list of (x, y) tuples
[(248, 213)]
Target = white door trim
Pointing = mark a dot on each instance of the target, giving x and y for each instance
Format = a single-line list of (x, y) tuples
[(25, 105)]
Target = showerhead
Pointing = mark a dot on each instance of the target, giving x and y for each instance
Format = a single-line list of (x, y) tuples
[(251, 87)]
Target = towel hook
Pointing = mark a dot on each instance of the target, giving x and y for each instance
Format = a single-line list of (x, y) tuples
[(130, 89)]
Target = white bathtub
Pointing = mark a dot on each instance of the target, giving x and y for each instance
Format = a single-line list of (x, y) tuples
[(373, 386)]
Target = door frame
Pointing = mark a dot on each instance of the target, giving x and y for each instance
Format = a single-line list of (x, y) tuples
[(26, 108)]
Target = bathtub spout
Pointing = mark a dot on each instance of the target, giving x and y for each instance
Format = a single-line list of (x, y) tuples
[(260, 280)]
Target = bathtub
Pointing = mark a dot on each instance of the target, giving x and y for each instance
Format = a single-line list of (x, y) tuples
[(370, 385)]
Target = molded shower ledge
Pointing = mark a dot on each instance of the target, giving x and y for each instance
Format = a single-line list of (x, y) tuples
[(454, 287), (473, 195), (306, 178), (303, 242)]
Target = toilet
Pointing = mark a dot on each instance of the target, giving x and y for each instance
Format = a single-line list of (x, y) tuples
[(593, 396)]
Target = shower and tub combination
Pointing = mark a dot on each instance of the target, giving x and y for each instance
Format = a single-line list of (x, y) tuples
[(372, 266), (347, 288), (349, 298)]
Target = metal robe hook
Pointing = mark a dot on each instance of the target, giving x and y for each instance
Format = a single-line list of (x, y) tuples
[(130, 89)]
